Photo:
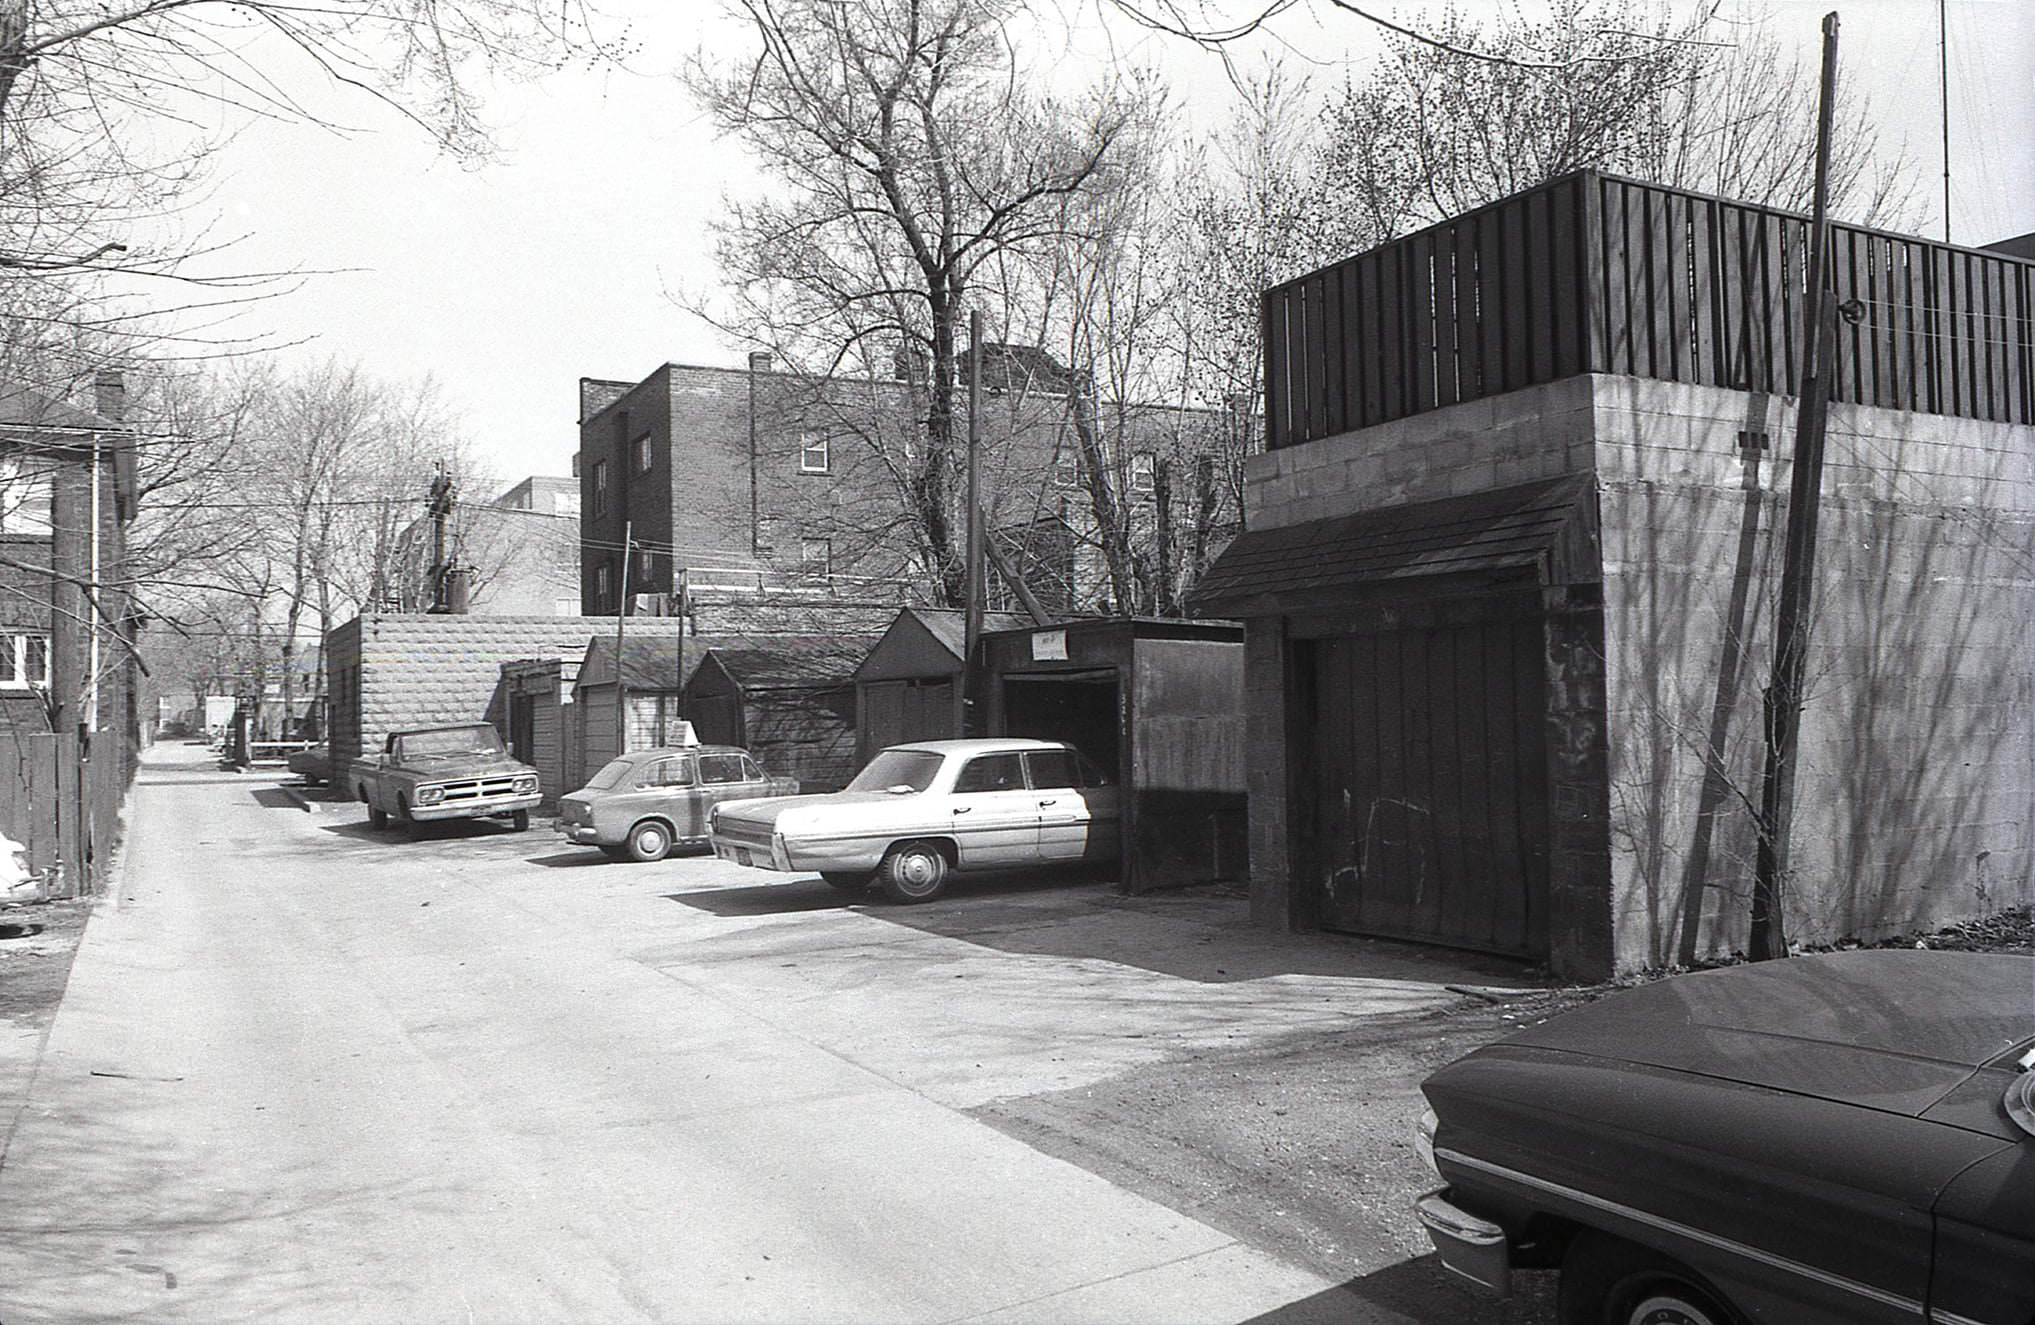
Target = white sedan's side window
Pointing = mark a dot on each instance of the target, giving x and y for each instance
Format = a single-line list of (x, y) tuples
[(991, 773), (1052, 769)]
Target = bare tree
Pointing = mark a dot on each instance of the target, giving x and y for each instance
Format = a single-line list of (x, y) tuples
[(905, 153)]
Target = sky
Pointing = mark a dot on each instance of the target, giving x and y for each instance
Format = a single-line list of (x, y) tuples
[(561, 259)]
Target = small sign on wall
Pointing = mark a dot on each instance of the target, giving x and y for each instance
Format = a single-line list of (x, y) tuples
[(1049, 646)]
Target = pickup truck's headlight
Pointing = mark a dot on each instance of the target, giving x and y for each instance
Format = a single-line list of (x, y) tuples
[(1423, 1140), (430, 795), (525, 783)]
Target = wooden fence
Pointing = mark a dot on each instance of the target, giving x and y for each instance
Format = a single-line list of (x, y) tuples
[(1591, 273)]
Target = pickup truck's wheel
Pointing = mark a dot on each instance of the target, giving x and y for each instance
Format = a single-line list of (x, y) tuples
[(519, 822), (1607, 1281), (913, 872), (402, 816), (377, 817), (649, 840), (849, 881)]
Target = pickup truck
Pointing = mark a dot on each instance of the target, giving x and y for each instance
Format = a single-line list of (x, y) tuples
[(444, 773)]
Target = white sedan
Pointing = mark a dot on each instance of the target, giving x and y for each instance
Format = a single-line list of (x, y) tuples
[(920, 812)]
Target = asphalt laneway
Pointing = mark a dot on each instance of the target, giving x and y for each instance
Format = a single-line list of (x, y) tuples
[(305, 1071)]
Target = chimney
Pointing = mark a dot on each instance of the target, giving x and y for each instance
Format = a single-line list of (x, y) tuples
[(759, 361), (109, 395)]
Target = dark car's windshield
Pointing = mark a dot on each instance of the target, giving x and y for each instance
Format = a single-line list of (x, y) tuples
[(457, 741), (898, 768), (612, 774)]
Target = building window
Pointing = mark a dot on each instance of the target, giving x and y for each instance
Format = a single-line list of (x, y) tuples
[(815, 453), (604, 588), (600, 487), (646, 562), (1066, 470), (1143, 465), (816, 556), (24, 660), (645, 457)]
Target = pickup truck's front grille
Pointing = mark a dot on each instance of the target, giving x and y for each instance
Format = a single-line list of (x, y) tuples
[(473, 789)]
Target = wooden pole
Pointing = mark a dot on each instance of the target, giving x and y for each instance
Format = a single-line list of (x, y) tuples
[(1783, 715), (621, 621), (972, 618)]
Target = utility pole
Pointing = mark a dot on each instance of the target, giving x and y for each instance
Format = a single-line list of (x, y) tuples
[(1783, 709), (621, 621), (1943, 100), (973, 716), (441, 512)]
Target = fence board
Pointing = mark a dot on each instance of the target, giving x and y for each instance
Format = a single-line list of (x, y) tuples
[(1420, 285), (1447, 324), (1539, 293), (1516, 271), (1392, 366)]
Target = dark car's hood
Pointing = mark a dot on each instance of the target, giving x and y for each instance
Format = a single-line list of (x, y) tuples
[(1889, 1029)]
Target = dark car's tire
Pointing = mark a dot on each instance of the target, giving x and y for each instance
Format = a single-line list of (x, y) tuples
[(649, 840), (519, 822), (849, 881), (1607, 1281), (913, 872)]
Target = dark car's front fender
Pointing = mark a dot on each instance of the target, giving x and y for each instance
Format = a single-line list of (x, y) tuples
[(1799, 1210)]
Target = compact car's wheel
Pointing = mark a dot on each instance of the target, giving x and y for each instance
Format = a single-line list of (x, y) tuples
[(1606, 1281), (848, 881), (913, 872), (519, 822), (649, 840)]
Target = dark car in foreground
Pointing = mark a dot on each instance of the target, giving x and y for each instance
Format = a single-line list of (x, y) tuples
[(1843, 1139)]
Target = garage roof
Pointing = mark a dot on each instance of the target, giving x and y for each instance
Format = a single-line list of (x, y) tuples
[(1496, 530)]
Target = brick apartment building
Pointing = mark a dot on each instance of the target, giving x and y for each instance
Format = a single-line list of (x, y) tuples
[(727, 473)]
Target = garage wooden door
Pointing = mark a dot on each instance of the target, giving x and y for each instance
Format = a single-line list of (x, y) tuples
[(1429, 784)]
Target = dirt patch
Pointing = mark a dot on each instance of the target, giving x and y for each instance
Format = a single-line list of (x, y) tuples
[(1305, 1147), (37, 942)]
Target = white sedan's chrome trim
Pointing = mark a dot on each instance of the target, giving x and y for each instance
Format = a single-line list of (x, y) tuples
[(1781, 1263), (1952, 1318)]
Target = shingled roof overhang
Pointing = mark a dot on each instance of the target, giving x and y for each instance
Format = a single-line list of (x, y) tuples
[(1270, 572)]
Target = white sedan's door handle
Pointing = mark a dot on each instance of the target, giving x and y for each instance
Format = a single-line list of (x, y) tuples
[(1049, 802), (963, 809)]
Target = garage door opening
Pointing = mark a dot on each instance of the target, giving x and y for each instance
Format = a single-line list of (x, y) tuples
[(1080, 708)]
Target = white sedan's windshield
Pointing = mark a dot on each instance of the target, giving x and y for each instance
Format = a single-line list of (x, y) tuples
[(898, 768)]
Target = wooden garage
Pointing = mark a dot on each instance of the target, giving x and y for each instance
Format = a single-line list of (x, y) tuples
[(1157, 702), (1440, 667), (788, 699), (909, 686)]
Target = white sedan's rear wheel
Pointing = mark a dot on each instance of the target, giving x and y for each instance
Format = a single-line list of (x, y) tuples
[(913, 872)]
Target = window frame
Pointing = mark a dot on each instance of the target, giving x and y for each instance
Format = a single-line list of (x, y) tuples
[(813, 440), (15, 655), (600, 482), (1144, 471), (645, 455)]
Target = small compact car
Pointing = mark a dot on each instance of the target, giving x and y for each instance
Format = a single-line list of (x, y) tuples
[(314, 764), (640, 806), (917, 813), (1843, 1139)]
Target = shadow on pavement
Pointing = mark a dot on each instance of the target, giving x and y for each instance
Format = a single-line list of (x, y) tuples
[(275, 798), (1419, 1292), (571, 859), (770, 899)]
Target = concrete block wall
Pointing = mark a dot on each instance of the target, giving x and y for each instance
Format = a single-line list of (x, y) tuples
[(406, 671), (1915, 791), (1916, 788)]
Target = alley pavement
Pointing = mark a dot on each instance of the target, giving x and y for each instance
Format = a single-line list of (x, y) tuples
[(307, 1071)]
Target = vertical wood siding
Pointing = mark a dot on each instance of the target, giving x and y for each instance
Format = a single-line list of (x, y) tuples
[(1592, 273)]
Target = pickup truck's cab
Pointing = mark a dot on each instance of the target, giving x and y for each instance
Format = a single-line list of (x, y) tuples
[(444, 773)]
